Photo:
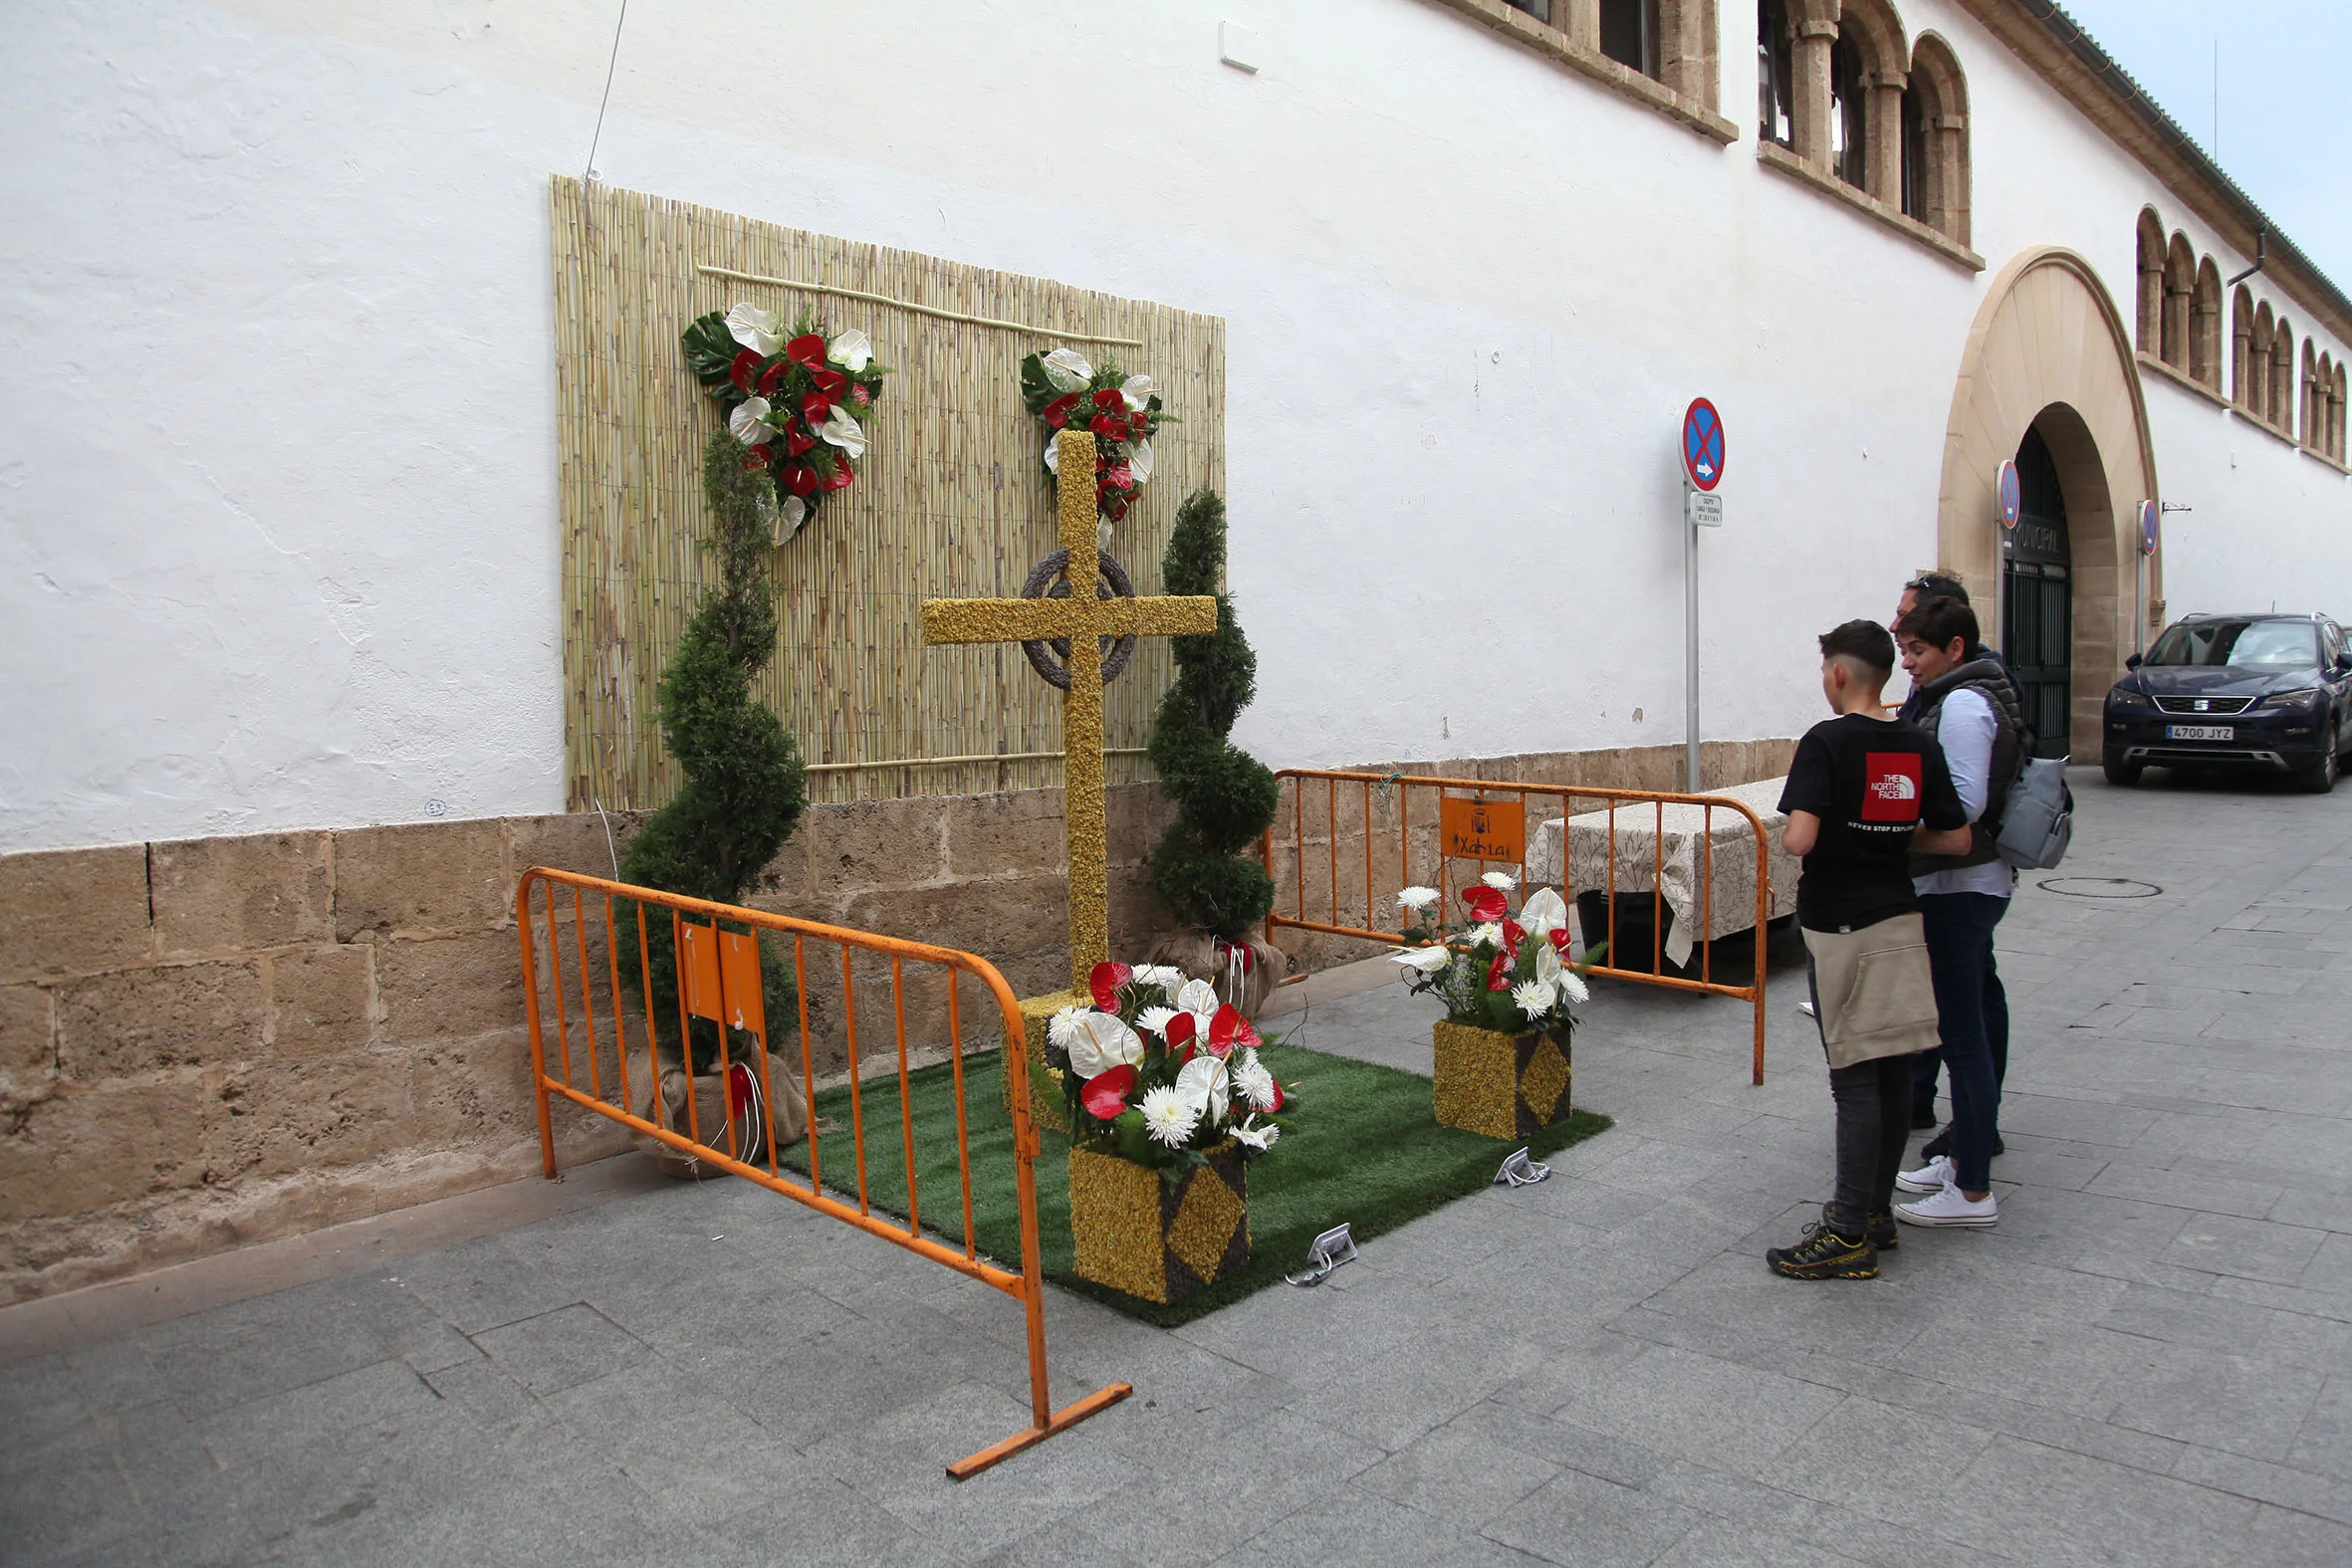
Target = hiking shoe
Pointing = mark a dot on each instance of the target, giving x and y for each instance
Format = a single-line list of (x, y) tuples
[(1823, 1254), (1941, 1144), (1879, 1230), (1951, 1206), (1932, 1177)]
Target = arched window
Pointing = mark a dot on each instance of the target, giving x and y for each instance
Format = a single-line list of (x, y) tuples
[(2258, 402), (2204, 326), (2336, 400), (2282, 377), (1868, 70), (2148, 336), (2180, 289), (1849, 108), (1935, 141), (1672, 42), (1629, 35), (2305, 409), (1775, 72)]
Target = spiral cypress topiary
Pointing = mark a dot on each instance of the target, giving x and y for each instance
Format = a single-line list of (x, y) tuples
[(1224, 798), (745, 788)]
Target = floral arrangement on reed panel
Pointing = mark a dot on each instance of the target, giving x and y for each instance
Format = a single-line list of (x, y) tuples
[(1159, 1072), (793, 399), (1122, 411), (1496, 970)]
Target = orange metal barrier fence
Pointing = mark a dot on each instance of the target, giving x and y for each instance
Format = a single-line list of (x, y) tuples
[(1452, 832), (719, 978)]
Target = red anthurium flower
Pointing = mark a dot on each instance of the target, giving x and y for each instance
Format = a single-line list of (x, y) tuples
[(1112, 401), (1246, 1035), (1139, 422), (1498, 977), (1512, 931), (1118, 511), (1105, 1094), (815, 406), (1559, 941), (860, 397), (808, 350), (1057, 411), (755, 458), (747, 364), (1180, 1031), (1106, 428), (843, 475), (773, 375), (1105, 983), (1487, 904), (799, 478), (1278, 1099), (832, 383), (1121, 477), (1225, 1029), (797, 440)]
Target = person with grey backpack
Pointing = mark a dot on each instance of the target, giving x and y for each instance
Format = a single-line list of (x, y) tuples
[(1971, 705)]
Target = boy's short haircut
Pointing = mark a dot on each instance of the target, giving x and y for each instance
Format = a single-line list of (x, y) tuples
[(1937, 585), (1939, 620), (1865, 642)]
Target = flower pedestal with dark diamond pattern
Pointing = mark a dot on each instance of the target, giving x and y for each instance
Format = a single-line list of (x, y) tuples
[(1156, 1239), (1502, 1085)]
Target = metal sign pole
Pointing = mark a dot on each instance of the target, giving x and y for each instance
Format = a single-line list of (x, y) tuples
[(1702, 453), (1690, 583)]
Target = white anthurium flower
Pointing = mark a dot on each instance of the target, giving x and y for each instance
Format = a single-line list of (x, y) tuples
[(1549, 968), (1416, 898), (790, 517), (1500, 881), (1490, 931), (1102, 1041), (1543, 913), (1257, 1137), (842, 430), (1137, 391), (1103, 534), (1252, 1080), (852, 351), (1155, 1019), (1169, 1117), (748, 423), (1571, 986), (1427, 960), (1198, 998), (1062, 1028), (1206, 1085), (1532, 998), (1067, 369), (762, 332), (1053, 454), (1139, 460)]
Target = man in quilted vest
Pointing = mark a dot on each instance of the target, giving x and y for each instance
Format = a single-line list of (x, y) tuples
[(1971, 706)]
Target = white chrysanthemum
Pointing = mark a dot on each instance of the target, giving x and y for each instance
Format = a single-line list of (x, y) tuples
[(1416, 898), (1253, 1082), (1062, 1028), (1169, 1117), (1155, 1019), (1490, 931), (1571, 986), (1067, 369), (1532, 998), (762, 332), (748, 423), (852, 351), (1543, 913), (1427, 960), (1500, 881), (1165, 975), (1257, 1137)]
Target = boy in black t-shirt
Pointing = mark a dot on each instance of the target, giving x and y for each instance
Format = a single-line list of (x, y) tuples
[(1863, 793)]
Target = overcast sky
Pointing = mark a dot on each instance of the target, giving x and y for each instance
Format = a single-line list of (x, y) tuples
[(2286, 75)]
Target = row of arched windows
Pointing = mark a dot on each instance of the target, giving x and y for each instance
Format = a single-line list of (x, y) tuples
[(2180, 325), (1893, 121), (1672, 42)]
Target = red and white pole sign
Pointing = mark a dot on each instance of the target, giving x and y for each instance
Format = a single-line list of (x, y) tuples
[(1701, 454)]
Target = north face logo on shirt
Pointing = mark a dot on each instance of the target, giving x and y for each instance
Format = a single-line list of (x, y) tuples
[(1890, 789)]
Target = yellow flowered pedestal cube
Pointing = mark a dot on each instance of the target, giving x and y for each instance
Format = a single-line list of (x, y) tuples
[(1502, 1085), (1155, 1238), (1047, 1105)]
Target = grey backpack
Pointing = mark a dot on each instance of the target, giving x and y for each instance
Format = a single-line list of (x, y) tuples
[(2038, 818)]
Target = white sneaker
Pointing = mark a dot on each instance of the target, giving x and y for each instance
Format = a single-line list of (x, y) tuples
[(1932, 1177), (1951, 1206)]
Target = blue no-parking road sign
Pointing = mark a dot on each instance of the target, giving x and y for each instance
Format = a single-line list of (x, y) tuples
[(1702, 444), (2012, 493), (2150, 519)]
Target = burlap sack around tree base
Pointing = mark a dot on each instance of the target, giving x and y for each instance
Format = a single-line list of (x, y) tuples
[(711, 1104), (1195, 952)]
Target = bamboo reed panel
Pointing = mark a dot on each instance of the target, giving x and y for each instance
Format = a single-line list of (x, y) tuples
[(951, 502)]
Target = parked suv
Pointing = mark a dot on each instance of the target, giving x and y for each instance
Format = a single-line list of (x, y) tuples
[(2270, 692)]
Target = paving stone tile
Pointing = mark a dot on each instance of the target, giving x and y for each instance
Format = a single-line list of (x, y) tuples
[(2326, 1443), (555, 1350), (1702, 1408), (2182, 1190), (2242, 1476), (2246, 1248), (1580, 1519), (1457, 1474), (2046, 1505), (1349, 1531), (2214, 1399), (2284, 1538), (1863, 1450)]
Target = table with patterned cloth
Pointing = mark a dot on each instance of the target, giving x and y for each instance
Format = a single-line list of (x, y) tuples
[(1733, 858)]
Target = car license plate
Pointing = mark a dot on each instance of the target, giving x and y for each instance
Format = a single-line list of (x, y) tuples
[(2200, 732)]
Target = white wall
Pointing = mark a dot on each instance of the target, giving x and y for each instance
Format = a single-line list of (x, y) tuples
[(276, 463)]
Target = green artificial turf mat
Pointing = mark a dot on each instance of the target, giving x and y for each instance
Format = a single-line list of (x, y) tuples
[(1364, 1148)]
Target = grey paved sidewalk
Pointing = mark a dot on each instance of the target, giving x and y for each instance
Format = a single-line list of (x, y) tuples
[(2149, 1361)]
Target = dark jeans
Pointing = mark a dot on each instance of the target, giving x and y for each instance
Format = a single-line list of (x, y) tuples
[(1972, 1019), (1996, 1035), (1873, 1121)]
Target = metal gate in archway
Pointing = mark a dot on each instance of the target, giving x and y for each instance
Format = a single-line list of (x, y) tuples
[(2037, 599)]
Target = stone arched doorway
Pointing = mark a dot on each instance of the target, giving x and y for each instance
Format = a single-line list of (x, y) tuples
[(2051, 353)]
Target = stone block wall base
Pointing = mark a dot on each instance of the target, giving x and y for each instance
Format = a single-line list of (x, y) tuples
[(1158, 1240), (1049, 1104), (1501, 1085)]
